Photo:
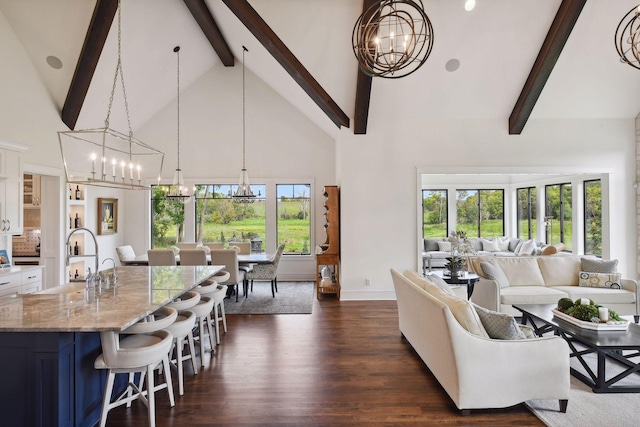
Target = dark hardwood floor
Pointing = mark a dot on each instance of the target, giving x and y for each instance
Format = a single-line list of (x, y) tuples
[(345, 364)]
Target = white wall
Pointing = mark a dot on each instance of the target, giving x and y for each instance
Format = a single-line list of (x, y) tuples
[(379, 188)]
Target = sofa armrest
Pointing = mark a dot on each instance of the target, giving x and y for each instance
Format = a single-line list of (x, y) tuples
[(486, 293), (632, 286)]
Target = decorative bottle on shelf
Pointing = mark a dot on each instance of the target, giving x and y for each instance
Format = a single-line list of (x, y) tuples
[(77, 221), (76, 249), (77, 192), (70, 193), (76, 275), (70, 222)]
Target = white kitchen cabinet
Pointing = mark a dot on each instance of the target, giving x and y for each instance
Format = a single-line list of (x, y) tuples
[(20, 280), (11, 203)]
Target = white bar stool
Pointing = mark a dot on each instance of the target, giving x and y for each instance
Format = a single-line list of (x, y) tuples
[(141, 352), (217, 292), (183, 328)]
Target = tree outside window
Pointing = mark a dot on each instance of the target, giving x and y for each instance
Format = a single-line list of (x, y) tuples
[(167, 219), (593, 217), (527, 213), (294, 219), (480, 213), (559, 225), (434, 213)]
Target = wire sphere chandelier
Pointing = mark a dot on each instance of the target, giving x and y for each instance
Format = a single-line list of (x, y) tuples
[(627, 38), (392, 38)]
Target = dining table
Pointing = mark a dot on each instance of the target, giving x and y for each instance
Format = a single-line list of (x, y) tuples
[(243, 259)]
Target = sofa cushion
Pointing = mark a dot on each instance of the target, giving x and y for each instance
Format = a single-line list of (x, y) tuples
[(559, 270), (461, 309), (444, 246), (500, 326), (531, 295), (490, 245), (594, 265), (439, 281), (476, 244), (601, 296), (521, 271), (503, 244), (599, 280), (432, 279), (431, 244), (493, 271), (527, 247), (513, 243)]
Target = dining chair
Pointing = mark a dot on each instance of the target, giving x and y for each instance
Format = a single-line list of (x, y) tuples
[(266, 272), (193, 257), (126, 254), (161, 257), (245, 247), (229, 258), (214, 245), (186, 245)]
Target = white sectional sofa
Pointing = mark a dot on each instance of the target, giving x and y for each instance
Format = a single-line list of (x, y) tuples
[(475, 370), (544, 280)]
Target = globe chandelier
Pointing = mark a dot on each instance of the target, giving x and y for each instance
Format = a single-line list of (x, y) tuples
[(627, 38), (392, 38), (244, 194), (178, 192)]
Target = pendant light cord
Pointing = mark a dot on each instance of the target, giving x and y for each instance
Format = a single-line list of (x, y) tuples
[(244, 49), (177, 51)]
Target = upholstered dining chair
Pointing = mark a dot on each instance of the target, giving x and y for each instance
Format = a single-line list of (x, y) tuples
[(193, 257), (186, 245), (229, 258), (245, 247), (127, 256), (161, 257), (214, 245), (266, 272)]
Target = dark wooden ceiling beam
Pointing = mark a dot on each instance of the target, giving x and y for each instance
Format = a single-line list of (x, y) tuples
[(207, 23), (363, 91), (259, 28), (550, 51), (95, 38)]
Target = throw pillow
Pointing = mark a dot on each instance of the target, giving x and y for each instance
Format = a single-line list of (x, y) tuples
[(500, 326), (490, 245), (599, 280), (594, 265), (494, 272), (527, 247), (444, 246), (439, 281), (503, 244), (549, 250), (527, 330)]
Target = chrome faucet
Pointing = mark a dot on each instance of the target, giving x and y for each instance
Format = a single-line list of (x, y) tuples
[(95, 242), (115, 271)]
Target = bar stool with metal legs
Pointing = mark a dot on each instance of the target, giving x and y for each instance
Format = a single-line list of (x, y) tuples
[(203, 319), (142, 352), (183, 328)]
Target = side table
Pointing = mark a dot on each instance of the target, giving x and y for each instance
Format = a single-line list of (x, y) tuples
[(466, 278)]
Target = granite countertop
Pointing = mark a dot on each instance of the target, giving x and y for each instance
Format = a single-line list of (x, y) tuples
[(68, 308), (18, 269)]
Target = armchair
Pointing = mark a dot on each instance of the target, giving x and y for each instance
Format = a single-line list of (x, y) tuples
[(266, 272)]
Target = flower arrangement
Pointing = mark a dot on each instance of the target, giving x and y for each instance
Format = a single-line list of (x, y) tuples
[(461, 248)]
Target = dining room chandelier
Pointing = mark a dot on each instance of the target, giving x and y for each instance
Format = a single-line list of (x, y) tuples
[(392, 38), (627, 38), (244, 193), (106, 157), (178, 192)]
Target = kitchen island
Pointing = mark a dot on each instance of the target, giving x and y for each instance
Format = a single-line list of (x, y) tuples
[(49, 341)]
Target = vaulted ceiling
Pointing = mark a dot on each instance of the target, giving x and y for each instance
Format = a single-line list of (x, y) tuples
[(497, 45)]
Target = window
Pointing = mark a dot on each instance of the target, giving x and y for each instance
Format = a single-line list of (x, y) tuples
[(480, 212), (221, 218), (434, 213), (527, 213), (593, 217), (167, 219), (558, 223), (294, 220)]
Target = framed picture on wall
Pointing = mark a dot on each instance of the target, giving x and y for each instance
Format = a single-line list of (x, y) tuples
[(107, 216)]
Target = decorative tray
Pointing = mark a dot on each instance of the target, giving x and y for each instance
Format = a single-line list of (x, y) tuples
[(611, 325)]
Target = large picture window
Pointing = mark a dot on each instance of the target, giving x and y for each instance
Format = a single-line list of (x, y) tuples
[(480, 212), (558, 222), (294, 219), (221, 218), (167, 219), (434, 213), (527, 213), (593, 217)]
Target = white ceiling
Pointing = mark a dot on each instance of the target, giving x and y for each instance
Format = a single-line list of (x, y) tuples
[(496, 44)]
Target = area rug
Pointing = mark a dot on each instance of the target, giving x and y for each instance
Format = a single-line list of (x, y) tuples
[(291, 298), (587, 408)]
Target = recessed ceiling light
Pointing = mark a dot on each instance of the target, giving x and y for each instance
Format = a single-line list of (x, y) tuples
[(54, 62), (452, 65), (469, 5)]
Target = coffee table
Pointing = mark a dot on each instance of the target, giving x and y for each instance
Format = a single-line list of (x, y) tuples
[(608, 346), (467, 279)]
